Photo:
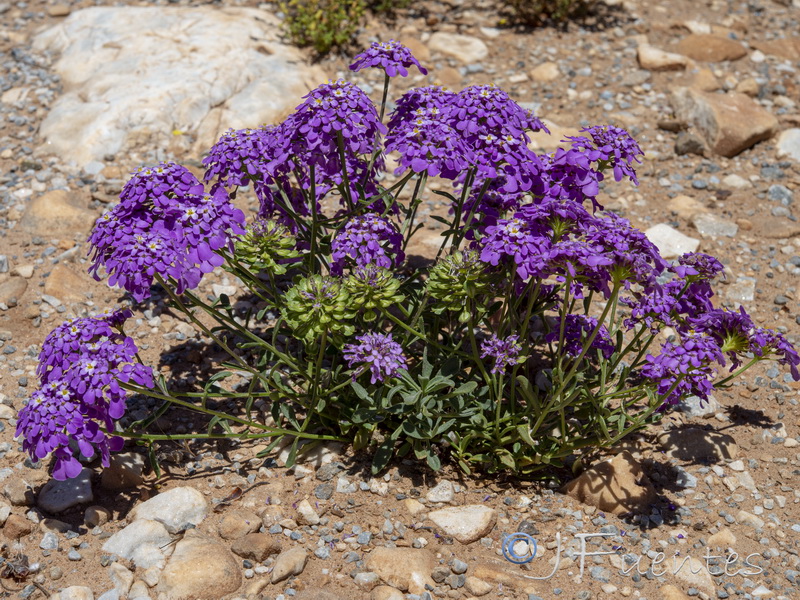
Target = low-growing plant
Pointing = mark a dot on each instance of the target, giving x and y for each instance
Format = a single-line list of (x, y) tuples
[(543, 327)]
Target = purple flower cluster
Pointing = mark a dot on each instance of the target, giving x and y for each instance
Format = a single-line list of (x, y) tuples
[(430, 146), (377, 352), (393, 57), (577, 330), (163, 225), (612, 146), (80, 367), (505, 352), (367, 239)]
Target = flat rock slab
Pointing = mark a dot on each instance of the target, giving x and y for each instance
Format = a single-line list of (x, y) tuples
[(711, 48), (200, 568), (58, 496), (150, 74), (670, 242), (177, 509), (465, 523)]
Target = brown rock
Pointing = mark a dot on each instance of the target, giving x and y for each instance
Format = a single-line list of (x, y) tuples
[(686, 207), (711, 48), (670, 592), (386, 592), (545, 72), (618, 486), (478, 587), (199, 569), (66, 285), (501, 575), (57, 212), (703, 79), (748, 87), (724, 538), (406, 569), (59, 10), (17, 527), (450, 77), (730, 123), (19, 492), (238, 523), (256, 546), (467, 523), (418, 49), (11, 291), (788, 48), (694, 444), (288, 563)]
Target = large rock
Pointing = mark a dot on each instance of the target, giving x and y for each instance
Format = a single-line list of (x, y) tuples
[(178, 509), (58, 496), (711, 48), (58, 213), (67, 285), (465, 523), (465, 48), (406, 569), (11, 291), (618, 486), (199, 569), (288, 563), (135, 74), (730, 123)]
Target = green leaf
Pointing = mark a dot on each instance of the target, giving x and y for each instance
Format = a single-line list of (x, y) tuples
[(525, 433), (359, 390), (434, 462), (383, 454)]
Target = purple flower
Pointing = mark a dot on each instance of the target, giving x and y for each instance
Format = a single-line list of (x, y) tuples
[(697, 266), (378, 352), (612, 146), (334, 109), (668, 304), (393, 57), (430, 101), (577, 330), (691, 362), (767, 342), (80, 367), (161, 230), (367, 239), (568, 174), (505, 352), (431, 146), (731, 331), (514, 239)]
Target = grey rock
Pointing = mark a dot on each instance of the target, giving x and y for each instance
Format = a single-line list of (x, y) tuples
[(58, 496), (670, 242), (742, 290), (710, 225), (125, 542), (49, 541)]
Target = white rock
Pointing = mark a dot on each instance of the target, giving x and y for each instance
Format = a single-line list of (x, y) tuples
[(670, 242), (742, 290), (307, 514), (762, 592), (58, 496), (443, 492), (789, 144), (694, 573), (697, 27), (125, 542), (465, 48), (710, 225), (736, 182), (465, 523), (288, 563), (7, 412), (133, 73), (654, 59), (148, 555), (74, 592), (121, 577), (176, 509)]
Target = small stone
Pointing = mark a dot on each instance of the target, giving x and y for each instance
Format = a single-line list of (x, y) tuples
[(711, 48), (546, 72), (366, 580), (736, 182), (17, 527), (121, 577), (443, 492), (458, 566), (59, 10), (386, 592), (306, 513), (58, 496), (742, 290), (11, 291), (288, 563), (710, 225), (724, 538), (238, 523), (654, 59), (688, 142), (788, 144), (19, 492), (406, 569), (49, 541), (670, 242), (96, 516), (746, 518)]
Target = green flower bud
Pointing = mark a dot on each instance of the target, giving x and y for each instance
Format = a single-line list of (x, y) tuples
[(316, 304), (460, 282), (372, 290), (266, 245)]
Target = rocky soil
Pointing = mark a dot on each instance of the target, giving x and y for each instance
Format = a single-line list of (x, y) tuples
[(709, 88)]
